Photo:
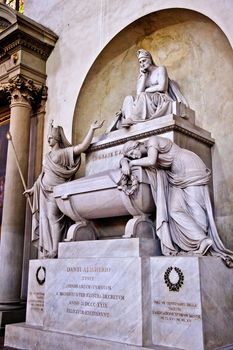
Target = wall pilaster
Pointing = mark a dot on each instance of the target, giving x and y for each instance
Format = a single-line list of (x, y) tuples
[(22, 94)]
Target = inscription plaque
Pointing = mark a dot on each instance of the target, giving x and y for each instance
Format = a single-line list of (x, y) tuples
[(95, 297), (36, 292), (176, 312)]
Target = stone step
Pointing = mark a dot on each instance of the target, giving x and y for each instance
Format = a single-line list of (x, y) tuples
[(27, 337)]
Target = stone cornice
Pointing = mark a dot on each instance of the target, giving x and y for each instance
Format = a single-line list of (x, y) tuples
[(20, 40), (162, 130), (24, 33)]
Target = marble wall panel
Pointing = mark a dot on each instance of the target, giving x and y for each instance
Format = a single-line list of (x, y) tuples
[(112, 248), (176, 314), (98, 298), (36, 292)]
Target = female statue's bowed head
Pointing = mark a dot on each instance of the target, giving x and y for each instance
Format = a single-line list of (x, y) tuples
[(179, 185), (155, 93), (59, 166)]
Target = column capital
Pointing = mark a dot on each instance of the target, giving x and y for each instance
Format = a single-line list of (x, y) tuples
[(23, 91)]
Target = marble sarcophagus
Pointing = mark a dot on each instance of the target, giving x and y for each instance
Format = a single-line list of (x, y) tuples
[(100, 197)]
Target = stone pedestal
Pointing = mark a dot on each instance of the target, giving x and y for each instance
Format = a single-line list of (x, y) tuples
[(130, 300), (191, 302)]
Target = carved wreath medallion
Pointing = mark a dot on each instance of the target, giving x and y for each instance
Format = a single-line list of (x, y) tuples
[(129, 184), (40, 275), (174, 287)]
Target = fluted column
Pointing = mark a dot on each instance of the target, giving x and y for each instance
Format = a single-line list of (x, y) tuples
[(22, 92)]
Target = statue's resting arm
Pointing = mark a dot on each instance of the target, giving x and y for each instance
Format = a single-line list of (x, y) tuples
[(162, 81), (149, 160)]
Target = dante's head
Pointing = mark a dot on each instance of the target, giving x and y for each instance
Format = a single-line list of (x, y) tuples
[(145, 59)]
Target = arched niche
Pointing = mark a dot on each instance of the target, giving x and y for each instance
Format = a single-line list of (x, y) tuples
[(192, 47), (198, 56)]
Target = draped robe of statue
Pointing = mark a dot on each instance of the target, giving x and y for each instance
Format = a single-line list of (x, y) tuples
[(58, 167), (150, 105), (184, 217)]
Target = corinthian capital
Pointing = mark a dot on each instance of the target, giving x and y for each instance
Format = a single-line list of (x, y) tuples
[(21, 90)]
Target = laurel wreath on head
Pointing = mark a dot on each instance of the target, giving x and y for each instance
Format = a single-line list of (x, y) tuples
[(174, 287)]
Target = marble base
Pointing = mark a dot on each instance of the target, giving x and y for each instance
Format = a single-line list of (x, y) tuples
[(126, 302), (36, 291), (27, 337), (192, 305), (112, 248)]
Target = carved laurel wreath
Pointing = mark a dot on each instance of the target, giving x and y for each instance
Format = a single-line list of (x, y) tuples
[(174, 287), (41, 281), (128, 184)]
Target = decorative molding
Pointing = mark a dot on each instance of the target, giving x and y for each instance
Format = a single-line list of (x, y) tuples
[(43, 99), (4, 23), (23, 40), (147, 134), (24, 90)]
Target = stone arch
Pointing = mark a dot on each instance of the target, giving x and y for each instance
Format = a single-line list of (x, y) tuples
[(8, 15), (102, 93)]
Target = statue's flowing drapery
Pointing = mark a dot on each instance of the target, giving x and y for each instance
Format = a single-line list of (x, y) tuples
[(184, 217), (150, 105), (179, 185), (47, 219)]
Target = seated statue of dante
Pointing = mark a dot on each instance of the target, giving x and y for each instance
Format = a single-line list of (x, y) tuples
[(179, 185), (155, 94), (59, 165)]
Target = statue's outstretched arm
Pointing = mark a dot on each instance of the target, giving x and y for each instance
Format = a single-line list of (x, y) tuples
[(83, 146)]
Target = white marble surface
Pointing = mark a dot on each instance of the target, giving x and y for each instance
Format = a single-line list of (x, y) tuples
[(107, 157), (112, 248), (95, 297), (217, 301), (181, 42), (99, 22), (199, 315), (98, 196), (34, 338), (35, 300), (173, 320)]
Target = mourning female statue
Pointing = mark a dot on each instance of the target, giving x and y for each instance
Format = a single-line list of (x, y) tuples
[(155, 93), (179, 185), (59, 166)]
